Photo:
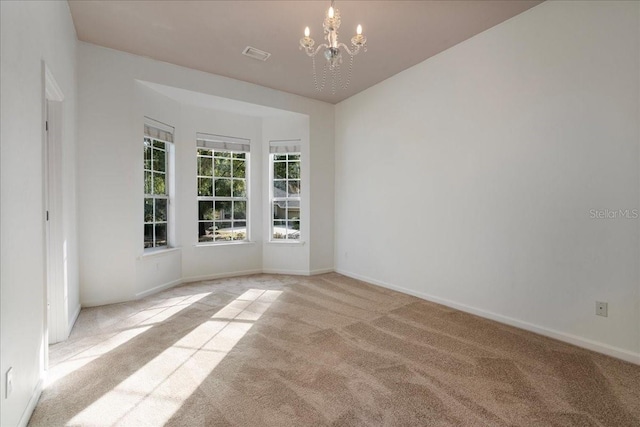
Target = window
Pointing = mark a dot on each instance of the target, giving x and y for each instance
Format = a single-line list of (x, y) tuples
[(157, 144), (285, 190), (223, 165)]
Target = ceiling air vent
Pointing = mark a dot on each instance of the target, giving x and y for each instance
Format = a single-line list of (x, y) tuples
[(254, 53)]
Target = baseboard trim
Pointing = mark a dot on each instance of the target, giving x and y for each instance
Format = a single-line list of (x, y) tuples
[(108, 301), (158, 288), (321, 271), (31, 406), (588, 344), (191, 279), (73, 319), (221, 275), (283, 271)]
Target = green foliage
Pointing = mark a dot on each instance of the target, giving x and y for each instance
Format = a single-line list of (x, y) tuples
[(222, 188), (205, 187), (161, 210), (159, 161), (159, 183), (222, 168), (239, 210), (148, 177), (205, 210), (239, 188), (293, 170), (223, 209), (239, 168), (148, 210), (279, 170), (147, 156), (205, 166)]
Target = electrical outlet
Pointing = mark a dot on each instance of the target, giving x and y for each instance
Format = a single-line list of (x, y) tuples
[(9, 383), (601, 308)]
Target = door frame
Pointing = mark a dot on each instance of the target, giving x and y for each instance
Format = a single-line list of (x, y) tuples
[(56, 305)]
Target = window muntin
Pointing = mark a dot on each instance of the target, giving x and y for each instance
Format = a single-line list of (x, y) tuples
[(156, 192), (222, 195), (285, 196)]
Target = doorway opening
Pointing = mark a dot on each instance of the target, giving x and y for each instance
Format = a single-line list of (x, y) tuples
[(55, 316)]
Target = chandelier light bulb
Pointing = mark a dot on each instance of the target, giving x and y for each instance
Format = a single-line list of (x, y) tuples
[(330, 12), (307, 32), (359, 30)]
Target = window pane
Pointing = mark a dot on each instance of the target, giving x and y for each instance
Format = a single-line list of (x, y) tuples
[(294, 188), (239, 189), (147, 155), (161, 210), (205, 187), (222, 153), (204, 152), (148, 236), (224, 231), (294, 170), (287, 188), (239, 210), (148, 210), (205, 231), (280, 188), (159, 144), (161, 235), (222, 168), (205, 166), (293, 230), (239, 155), (239, 230), (279, 170), (147, 182), (159, 161), (293, 211), (159, 183), (239, 168), (279, 229), (223, 188), (205, 210), (279, 210), (223, 210)]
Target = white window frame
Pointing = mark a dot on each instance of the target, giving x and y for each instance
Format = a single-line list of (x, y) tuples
[(160, 132), (231, 145), (284, 147)]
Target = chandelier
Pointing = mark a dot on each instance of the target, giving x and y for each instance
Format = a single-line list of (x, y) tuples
[(332, 51)]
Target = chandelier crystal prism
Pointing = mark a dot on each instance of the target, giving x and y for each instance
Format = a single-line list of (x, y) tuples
[(332, 51)]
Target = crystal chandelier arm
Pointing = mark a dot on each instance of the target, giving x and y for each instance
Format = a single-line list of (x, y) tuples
[(353, 52), (310, 51)]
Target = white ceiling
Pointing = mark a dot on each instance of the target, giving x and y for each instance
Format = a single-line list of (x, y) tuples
[(210, 35)]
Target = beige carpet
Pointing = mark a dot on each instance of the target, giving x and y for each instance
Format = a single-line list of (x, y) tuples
[(270, 350)]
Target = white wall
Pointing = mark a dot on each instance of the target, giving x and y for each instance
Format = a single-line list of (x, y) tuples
[(31, 32), (109, 158), (469, 178)]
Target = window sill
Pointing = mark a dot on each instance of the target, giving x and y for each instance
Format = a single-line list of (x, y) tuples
[(225, 243), (158, 252), (285, 243)]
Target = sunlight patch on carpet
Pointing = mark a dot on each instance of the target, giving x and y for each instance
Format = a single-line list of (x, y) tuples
[(151, 395), (141, 322)]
